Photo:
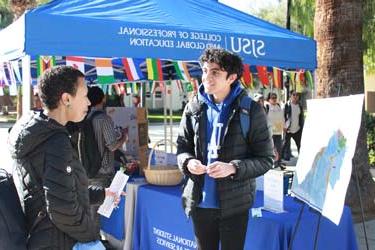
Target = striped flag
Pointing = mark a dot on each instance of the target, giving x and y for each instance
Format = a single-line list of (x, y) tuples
[(179, 85), (104, 71), (128, 88), (44, 63), (154, 69), (132, 68), (277, 78), (262, 75), (76, 62), (247, 77), (182, 70)]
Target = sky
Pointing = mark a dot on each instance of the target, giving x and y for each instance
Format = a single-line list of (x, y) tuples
[(249, 6)]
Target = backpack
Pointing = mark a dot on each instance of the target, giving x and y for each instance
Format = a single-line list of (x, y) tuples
[(88, 149), (245, 106), (13, 233), (14, 230)]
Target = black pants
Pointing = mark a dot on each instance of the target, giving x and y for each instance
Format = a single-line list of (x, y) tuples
[(297, 139), (210, 229)]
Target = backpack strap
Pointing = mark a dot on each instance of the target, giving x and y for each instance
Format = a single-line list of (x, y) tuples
[(245, 106)]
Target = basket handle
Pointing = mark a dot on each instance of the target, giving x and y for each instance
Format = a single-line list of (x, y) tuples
[(153, 149)]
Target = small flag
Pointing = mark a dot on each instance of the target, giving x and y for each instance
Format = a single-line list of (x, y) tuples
[(262, 75), (104, 71), (182, 70), (277, 78), (179, 85), (247, 77), (122, 89), (153, 87), (162, 86), (292, 77), (44, 63), (76, 62), (132, 68), (117, 89), (154, 69), (309, 79), (189, 87), (128, 88)]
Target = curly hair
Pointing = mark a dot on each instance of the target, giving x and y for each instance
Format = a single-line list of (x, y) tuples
[(227, 60), (56, 81)]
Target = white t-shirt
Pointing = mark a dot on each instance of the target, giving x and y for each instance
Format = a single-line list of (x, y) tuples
[(276, 118), (294, 119)]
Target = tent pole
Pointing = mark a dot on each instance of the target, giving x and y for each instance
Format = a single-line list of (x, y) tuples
[(26, 84)]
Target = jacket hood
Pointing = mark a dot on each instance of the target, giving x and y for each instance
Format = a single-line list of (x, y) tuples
[(235, 90), (31, 131)]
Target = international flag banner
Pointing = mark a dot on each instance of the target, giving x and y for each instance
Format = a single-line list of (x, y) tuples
[(104, 71), (247, 77), (76, 62), (277, 78), (182, 70), (262, 75), (132, 68), (309, 79), (154, 69), (12, 77), (44, 63)]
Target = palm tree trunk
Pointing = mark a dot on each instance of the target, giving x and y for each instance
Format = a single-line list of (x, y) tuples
[(338, 32)]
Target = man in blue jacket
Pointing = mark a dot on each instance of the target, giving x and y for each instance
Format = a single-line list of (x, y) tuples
[(219, 164)]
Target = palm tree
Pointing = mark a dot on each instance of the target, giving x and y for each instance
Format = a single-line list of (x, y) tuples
[(338, 32)]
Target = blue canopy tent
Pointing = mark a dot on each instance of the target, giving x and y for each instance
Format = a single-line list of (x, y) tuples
[(167, 29)]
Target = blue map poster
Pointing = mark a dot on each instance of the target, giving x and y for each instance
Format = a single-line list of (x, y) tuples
[(327, 147)]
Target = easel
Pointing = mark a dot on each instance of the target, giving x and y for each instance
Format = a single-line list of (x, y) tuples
[(320, 216)]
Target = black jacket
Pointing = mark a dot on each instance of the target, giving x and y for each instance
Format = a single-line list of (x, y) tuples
[(252, 157), (43, 145)]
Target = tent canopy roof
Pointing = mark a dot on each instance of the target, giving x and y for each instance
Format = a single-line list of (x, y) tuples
[(168, 29)]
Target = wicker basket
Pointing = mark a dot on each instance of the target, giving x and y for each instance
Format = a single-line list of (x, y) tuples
[(162, 175)]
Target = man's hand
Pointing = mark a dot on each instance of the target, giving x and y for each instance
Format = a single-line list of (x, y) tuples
[(220, 169), (196, 167)]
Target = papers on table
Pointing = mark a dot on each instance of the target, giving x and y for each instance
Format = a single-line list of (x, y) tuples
[(117, 186), (274, 191)]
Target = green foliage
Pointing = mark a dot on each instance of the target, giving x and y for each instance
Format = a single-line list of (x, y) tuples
[(370, 125), (302, 21)]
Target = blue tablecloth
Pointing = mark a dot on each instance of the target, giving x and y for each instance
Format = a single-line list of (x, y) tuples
[(161, 224)]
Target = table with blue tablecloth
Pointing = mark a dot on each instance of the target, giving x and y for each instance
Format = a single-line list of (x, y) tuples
[(159, 223)]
